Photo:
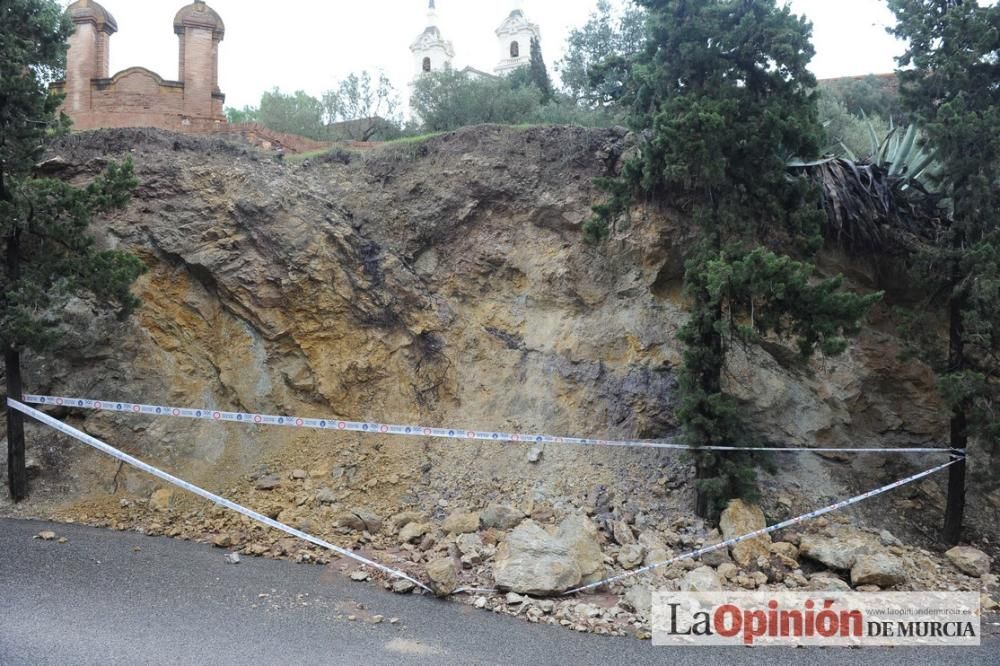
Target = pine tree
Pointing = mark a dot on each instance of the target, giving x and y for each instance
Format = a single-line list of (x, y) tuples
[(725, 95), (539, 72), (43, 222), (948, 82)]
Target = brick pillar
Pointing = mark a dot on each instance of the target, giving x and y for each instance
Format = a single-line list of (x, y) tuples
[(200, 30), (198, 71), (89, 52), (81, 67)]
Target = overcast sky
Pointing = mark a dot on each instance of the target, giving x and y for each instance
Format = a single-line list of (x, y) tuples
[(311, 44)]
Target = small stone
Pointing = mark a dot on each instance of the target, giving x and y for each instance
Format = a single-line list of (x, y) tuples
[(728, 570), (887, 539), (787, 553), (300, 474), (878, 569), (622, 533), (970, 561), (535, 454), (326, 496), (480, 602), (393, 620), (400, 520), (501, 517), (469, 544), (352, 618), (361, 575), (639, 598), (547, 605), (827, 582), (269, 482), (702, 579), (233, 558), (514, 598), (716, 558), (988, 603), (46, 535), (413, 531), (403, 586), (631, 556), (160, 499), (461, 523), (377, 619), (222, 541)]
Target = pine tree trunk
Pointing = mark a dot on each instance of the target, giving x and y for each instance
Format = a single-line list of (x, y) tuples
[(955, 508), (711, 383), (17, 474)]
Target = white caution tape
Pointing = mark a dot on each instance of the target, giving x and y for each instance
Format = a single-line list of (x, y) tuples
[(370, 428), (221, 501), (767, 530)]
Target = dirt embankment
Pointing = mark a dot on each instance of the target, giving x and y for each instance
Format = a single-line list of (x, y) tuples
[(442, 281)]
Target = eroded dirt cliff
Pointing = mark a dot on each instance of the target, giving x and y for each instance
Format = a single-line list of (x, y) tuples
[(446, 282)]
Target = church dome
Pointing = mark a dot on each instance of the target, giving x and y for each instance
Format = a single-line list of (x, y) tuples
[(83, 11), (199, 15)]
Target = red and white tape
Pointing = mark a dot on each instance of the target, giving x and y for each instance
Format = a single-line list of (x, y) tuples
[(767, 530), (201, 492), (376, 428)]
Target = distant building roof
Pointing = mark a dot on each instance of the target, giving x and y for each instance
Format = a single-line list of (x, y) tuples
[(199, 15), (82, 11)]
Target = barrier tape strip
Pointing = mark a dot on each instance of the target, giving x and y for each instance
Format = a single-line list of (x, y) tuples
[(767, 530), (221, 501), (413, 430)]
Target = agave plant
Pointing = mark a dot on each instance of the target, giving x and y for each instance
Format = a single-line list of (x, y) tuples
[(883, 202)]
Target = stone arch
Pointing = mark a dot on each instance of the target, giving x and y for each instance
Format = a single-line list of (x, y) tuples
[(426, 65), (515, 49)]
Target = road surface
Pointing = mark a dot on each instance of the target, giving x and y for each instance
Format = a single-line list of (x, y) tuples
[(108, 597)]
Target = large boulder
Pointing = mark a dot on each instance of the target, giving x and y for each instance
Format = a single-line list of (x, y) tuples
[(443, 576), (580, 536), (740, 518), (836, 553), (534, 561), (878, 569), (970, 561), (501, 517)]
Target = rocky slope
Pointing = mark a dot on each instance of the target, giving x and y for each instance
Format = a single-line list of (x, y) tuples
[(444, 282)]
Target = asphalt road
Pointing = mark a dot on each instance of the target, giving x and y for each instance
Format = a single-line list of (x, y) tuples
[(109, 597)]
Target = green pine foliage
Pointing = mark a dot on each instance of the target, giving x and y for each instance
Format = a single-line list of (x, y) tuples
[(948, 83), (47, 251), (43, 221), (723, 94), (539, 72)]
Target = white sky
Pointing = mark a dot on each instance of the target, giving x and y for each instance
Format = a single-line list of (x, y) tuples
[(311, 44)]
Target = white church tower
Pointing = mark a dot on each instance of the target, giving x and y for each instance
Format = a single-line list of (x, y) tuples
[(431, 53), (514, 37)]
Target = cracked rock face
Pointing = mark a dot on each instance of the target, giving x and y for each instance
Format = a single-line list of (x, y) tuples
[(438, 283)]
